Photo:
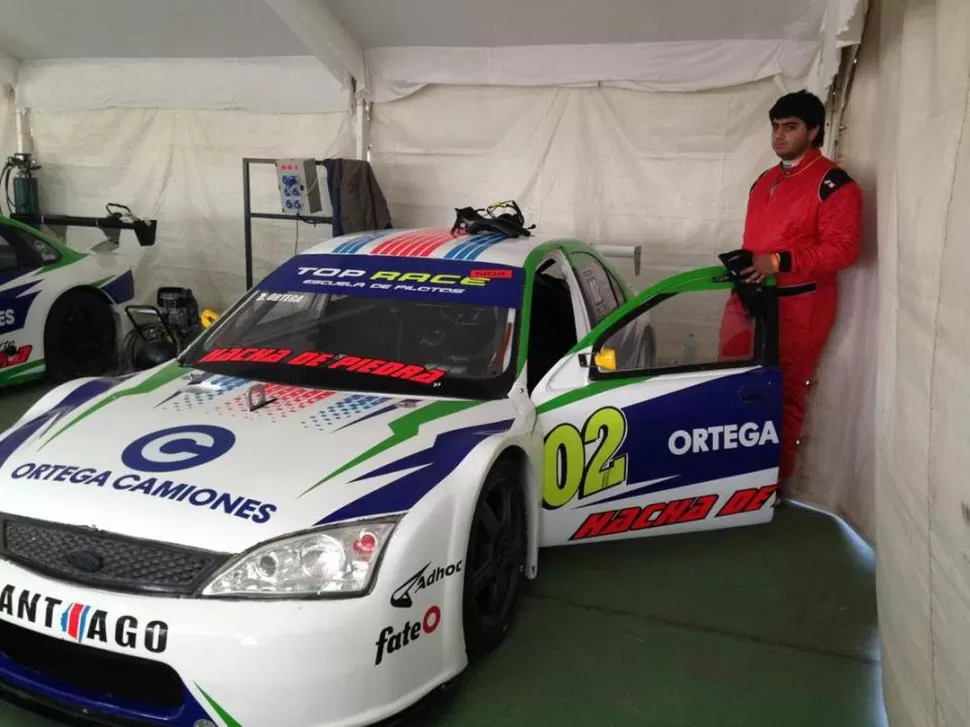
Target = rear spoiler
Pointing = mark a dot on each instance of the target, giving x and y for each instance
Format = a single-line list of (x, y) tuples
[(627, 252)]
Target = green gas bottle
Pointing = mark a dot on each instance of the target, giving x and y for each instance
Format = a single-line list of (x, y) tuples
[(26, 198)]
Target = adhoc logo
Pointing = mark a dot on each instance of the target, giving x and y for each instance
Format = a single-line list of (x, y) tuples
[(401, 598), (725, 436), (411, 632), (178, 448), (83, 623)]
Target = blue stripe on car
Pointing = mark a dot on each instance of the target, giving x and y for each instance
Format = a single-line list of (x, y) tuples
[(356, 244), (436, 462), (475, 245), (121, 289), (68, 697), (86, 391), (708, 406), (482, 246)]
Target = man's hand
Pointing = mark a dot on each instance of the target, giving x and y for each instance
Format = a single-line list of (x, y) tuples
[(764, 266)]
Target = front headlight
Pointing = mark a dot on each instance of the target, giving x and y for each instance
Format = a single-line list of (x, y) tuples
[(338, 560)]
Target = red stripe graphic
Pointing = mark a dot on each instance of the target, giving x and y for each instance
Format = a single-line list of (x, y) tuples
[(408, 244), (420, 244), (289, 400), (434, 242), (404, 243), (389, 246), (74, 623), (379, 250), (415, 248)]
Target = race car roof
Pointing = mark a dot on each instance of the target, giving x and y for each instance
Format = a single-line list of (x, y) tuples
[(439, 243)]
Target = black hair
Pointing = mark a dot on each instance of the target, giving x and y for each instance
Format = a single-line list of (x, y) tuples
[(802, 105)]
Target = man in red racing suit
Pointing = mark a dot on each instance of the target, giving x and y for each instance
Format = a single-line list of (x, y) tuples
[(802, 225)]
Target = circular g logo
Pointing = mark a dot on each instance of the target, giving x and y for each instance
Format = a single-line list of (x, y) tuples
[(178, 448)]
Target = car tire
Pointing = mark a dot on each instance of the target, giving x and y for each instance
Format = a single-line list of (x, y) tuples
[(79, 337), (494, 560)]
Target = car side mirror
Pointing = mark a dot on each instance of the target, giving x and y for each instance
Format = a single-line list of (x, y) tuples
[(605, 359)]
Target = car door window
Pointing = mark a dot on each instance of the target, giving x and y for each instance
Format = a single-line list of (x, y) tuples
[(617, 290), (596, 286), (685, 331), (20, 250), (552, 331)]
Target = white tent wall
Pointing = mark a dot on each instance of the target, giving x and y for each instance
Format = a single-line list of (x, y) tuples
[(670, 172), (909, 138), (8, 80), (8, 126), (183, 168), (835, 468)]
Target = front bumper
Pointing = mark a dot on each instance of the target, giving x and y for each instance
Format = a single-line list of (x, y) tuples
[(148, 660)]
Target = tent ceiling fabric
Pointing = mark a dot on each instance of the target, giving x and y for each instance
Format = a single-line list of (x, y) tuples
[(502, 23), (655, 45), (297, 85), (48, 29)]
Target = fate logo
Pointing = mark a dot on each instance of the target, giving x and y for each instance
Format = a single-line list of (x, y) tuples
[(392, 641)]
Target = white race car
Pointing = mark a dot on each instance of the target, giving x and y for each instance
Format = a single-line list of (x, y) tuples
[(59, 308), (331, 500)]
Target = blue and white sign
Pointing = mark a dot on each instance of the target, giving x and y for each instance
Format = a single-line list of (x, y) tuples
[(429, 279), (178, 448)]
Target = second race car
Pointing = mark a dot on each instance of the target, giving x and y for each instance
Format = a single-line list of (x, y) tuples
[(59, 308)]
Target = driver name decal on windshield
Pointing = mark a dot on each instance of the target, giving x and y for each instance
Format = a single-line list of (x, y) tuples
[(498, 285), (281, 297), (357, 364)]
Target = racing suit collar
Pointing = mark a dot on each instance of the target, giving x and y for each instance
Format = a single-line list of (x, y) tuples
[(811, 156)]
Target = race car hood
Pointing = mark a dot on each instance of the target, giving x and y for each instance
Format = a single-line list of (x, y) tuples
[(195, 459)]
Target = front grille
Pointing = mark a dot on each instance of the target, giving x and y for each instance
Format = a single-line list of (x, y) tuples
[(91, 673), (113, 562)]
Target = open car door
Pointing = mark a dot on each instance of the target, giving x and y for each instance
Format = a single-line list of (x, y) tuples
[(666, 417)]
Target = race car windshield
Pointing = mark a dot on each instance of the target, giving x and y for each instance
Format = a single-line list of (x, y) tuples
[(415, 332)]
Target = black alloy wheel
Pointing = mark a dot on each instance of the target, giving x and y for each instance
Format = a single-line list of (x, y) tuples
[(79, 338), (495, 560)]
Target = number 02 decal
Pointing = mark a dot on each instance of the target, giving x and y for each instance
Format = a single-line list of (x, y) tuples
[(567, 471)]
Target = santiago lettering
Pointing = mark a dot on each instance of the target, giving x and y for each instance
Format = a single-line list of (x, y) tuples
[(81, 622), (723, 436), (224, 502)]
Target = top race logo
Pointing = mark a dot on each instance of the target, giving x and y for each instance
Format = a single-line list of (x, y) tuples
[(178, 448)]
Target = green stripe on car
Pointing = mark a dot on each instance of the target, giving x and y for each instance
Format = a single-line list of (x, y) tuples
[(592, 389), (161, 377), (22, 372), (402, 430), (226, 717)]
